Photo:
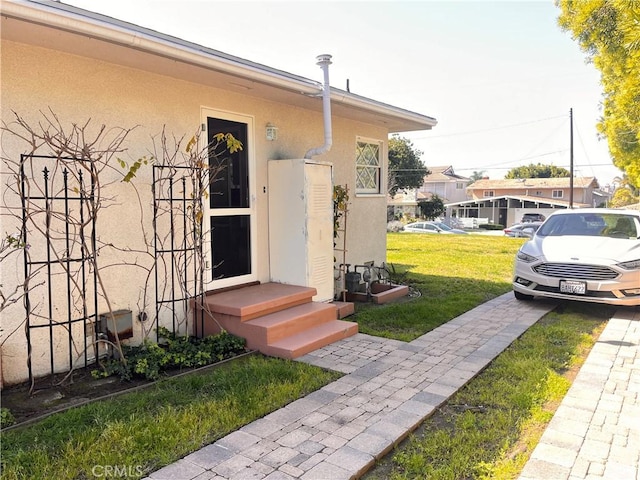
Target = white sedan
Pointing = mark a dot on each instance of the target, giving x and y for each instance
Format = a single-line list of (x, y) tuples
[(522, 230), (431, 227), (592, 255)]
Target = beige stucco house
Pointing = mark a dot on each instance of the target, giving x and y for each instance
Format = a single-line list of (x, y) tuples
[(446, 183), (77, 67)]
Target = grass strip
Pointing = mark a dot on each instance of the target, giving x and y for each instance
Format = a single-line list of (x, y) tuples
[(454, 274), (143, 431), (488, 429)]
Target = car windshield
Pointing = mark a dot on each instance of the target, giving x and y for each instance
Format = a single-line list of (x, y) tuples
[(443, 226), (591, 224)]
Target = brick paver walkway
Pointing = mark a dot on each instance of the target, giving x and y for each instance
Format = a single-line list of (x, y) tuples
[(595, 433), (390, 387)]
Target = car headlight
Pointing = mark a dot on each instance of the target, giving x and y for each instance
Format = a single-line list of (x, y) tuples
[(525, 257), (630, 265)]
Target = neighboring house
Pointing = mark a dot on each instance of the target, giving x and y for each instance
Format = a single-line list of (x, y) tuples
[(405, 204), (442, 181), (548, 188), (84, 66), (445, 183), (505, 201)]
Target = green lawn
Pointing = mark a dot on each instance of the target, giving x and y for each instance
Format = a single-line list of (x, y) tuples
[(151, 428), (155, 427), (489, 428), (454, 273)]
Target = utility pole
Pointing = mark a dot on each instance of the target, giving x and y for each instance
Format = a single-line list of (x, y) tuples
[(571, 158)]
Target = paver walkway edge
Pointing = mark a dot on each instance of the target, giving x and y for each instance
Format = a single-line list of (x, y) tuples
[(595, 433), (388, 389)]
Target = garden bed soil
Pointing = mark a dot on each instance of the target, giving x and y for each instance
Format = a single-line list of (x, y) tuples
[(59, 392)]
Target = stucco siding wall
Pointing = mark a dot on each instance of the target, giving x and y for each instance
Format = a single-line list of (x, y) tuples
[(455, 194), (78, 89), (367, 213)]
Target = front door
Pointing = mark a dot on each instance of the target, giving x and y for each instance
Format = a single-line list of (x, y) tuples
[(230, 205)]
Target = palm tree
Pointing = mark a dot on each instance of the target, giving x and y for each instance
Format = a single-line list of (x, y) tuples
[(476, 175)]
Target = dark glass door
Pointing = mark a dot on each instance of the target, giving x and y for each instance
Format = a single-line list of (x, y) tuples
[(230, 208)]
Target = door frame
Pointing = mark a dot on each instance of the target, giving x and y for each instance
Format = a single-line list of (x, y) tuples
[(249, 121)]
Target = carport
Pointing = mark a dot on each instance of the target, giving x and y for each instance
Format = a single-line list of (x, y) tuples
[(506, 209)]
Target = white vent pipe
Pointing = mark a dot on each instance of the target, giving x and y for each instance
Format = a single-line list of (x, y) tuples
[(324, 61)]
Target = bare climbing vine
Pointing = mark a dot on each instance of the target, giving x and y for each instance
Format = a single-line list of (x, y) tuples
[(88, 160)]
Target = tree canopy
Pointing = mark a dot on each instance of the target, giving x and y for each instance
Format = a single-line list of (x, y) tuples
[(622, 197), (625, 194), (476, 175), (433, 208), (406, 170), (537, 171), (608, 31)]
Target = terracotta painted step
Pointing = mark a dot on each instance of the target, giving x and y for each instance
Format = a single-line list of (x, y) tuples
[(344, 308), (275, 326), (256, 300), (312, 339)]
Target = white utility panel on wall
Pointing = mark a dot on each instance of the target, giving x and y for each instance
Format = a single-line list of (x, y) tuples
[(301, 224)]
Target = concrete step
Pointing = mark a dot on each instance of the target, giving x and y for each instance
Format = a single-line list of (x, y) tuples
[(256, 300), (273, 327), (344, 308), (302, 343), (276, 319)]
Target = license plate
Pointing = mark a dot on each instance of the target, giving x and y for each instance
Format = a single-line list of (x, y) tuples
[(573, 287)]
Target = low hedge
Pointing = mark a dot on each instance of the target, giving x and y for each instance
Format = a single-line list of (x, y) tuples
[(491, 226)]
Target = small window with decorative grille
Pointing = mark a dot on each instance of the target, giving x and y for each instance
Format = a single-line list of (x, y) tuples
[(368, 166)]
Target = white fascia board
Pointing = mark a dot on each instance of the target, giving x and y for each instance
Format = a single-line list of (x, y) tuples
[(72, 19), (79, 21)]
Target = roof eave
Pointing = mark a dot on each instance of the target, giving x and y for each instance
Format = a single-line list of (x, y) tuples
[(74, 20), (549, 201), (83, 22)]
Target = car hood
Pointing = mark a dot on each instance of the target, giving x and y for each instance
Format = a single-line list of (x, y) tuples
[(585, 249)]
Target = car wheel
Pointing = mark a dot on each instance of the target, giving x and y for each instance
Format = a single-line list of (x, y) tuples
[(522, 296)]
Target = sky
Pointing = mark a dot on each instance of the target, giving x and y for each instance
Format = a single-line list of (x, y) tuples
[(500, 77)]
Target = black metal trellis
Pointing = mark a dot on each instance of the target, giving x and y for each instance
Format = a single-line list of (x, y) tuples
[(63, 324), (178, 242), (59, 234)]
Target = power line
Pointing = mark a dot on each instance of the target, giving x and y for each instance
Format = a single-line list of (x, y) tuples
[(509, 164), (504, 168), (561, 166)]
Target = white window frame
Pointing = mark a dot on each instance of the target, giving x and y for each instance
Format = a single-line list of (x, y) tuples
[(557, 194), (379, 189), (488, 193), (459, 185)]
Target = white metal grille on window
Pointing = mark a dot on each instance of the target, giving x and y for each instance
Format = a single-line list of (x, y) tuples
[(368, 167)]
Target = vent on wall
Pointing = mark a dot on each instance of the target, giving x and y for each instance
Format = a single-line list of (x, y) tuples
[(123, 325)]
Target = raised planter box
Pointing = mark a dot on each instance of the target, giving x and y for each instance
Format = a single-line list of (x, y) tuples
[(380, 293)]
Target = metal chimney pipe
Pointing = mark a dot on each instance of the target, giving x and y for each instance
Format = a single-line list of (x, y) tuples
[(324, 61)]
